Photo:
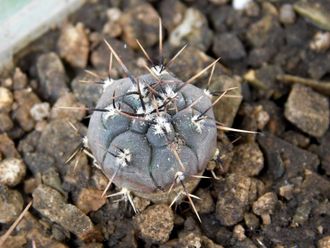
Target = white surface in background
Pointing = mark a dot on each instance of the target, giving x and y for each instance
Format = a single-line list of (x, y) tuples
[(30, 22), (240, 4)]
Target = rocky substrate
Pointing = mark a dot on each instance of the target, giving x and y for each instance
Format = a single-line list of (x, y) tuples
[(269, 189)]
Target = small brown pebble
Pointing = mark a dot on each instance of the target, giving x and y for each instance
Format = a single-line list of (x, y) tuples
[(286, 191), (30, 185), (324, 242), (239, 232), (247, 160), (100, 181), (140, 203), (320, 42), (11, 204), (66, 100), (155, 223), (6, 100), (20, 80), (90, 200), (233, 200), (251, 221), (112, 27), (265, 206), (5, 122), (206, 204), (140, 22), (12, 171), (73, 45), (7, 147), (26, 99)]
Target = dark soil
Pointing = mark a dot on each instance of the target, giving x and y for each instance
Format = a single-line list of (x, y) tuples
[(269, 189)]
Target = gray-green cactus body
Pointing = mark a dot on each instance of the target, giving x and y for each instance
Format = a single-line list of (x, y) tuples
[(146, 139)]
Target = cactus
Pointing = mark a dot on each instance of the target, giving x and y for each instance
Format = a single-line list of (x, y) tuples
[(153, 135)]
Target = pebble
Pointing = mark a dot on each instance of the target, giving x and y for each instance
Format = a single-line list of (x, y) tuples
[(308, 110), (233, 200), (73, 45), (296, 138), (6, 100), (206, 204), (320, 42), (240, 4), (286, 191), (90, 200), (7, 147), (68, 100), (323, 152), (155, 223), (324, 242), (225, 111), (11, 204), (247, 160), (287, 14), (86, 93), (301, 214), (6, 122), (266, 32), (251, 221), (140, 203), (193, 30), (51, 204), (40, 111), (25, 100), (172, 13), (52, 77), (239, 232), (191, 61), (229, 47), (100, 57), (265, 206), (20, 80), (140, 22), (59, 140), (282, 156), (12, 171), (112, 27), (39, 231)]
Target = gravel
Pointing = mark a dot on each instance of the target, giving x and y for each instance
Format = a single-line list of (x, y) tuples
[(308, 110)]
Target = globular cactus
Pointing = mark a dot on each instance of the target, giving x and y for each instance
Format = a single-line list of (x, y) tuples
[(153, 134)]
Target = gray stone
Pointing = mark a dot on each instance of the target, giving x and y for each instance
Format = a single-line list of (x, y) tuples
[(51, 204), (52, 77), (229, 47), (308, 110)]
